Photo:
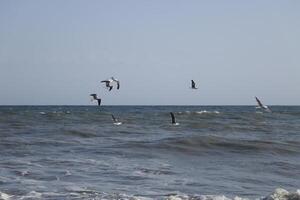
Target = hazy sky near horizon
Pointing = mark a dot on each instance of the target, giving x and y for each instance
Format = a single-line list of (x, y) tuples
[(57, 52)]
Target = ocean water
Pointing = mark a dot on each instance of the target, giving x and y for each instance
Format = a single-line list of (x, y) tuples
[(216, 152)]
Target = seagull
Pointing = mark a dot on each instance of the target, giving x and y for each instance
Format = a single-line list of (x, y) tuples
[(193, 84), (116, 122), (260, 105), (107, 84), (117, 81), (96, 98), (173, 119)]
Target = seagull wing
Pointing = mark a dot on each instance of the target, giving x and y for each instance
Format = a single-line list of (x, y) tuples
[(94, 96), (113, 118), (259, 102), (173, 118), (99, 102), (193, 84)]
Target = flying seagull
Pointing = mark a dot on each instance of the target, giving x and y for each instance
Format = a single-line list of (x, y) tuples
[(260, 105), (173, 119), (96, 98), (116, 121), (193, 84), (107, 84)]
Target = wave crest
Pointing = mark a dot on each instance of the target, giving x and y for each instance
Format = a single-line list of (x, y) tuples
[(278, 194)]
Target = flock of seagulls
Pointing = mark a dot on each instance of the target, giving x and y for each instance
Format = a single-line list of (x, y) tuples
[(110, 83)]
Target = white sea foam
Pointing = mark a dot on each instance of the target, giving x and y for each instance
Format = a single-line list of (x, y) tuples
[(199, 112), (32, 195), (202, 197), (4, 196), (278, 194), (83, 193), (67, 173), (208, 112), (24, 173), (282, 194)]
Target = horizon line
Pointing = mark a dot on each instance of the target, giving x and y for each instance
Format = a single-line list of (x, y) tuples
[(143, 105)]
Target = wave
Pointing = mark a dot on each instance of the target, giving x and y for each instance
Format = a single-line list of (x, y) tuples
[(216, 143), (199, 112), (4, 196), (278, 194), (208, 112), (79, 133), (81, 193)]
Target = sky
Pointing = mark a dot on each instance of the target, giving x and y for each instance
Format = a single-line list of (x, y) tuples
[(57, 52)]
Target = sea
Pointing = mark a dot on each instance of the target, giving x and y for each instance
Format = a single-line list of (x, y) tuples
[(212, 153)]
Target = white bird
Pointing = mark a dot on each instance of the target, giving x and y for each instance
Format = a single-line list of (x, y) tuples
[(262, 106), (116, 121)]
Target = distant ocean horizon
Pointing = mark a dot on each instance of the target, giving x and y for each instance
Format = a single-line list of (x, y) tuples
[(146, 105), (214, 152)]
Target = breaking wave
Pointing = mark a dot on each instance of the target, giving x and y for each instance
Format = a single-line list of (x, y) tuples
[(80, 193)]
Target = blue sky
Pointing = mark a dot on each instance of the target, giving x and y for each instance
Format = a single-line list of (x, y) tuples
[(57, 52)]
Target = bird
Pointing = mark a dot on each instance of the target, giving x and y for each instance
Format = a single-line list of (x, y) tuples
[(109, 81), (193, 85), (107, 84), (95, 97), (117, 81), (115, 120), (260, 105), (173, 119)]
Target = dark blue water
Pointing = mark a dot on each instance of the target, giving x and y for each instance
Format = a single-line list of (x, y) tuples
[(76, 152)]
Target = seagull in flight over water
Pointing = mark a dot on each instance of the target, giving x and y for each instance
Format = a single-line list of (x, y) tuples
[(261, 106), (95, 97), (107, 84), (109, 81), (193, 85), (116, 121), (173, 119)]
